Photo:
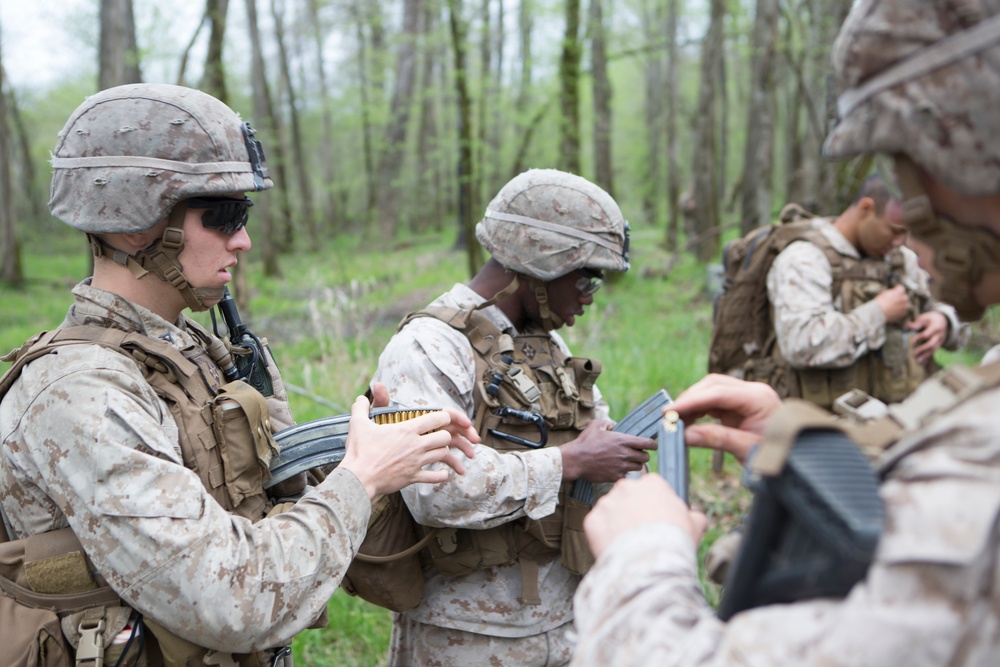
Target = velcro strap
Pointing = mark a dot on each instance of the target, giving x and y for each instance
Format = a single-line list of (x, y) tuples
[(529, 580)]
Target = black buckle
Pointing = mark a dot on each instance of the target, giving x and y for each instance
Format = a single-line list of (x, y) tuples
[(255, 152)]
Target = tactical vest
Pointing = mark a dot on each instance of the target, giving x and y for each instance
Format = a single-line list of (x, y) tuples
[(890, 373), (525, 386), (225, 437)]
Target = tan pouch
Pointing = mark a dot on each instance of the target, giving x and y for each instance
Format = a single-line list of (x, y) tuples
[(245, 441), (32, 637), (576, 555), (379, 574)]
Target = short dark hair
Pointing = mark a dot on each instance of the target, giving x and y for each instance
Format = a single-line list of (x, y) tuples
[(874, 186)]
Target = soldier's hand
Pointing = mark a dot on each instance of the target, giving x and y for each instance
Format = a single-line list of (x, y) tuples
[(380, 395), (741, 407), (638, 502), (601, 455), (930, 332), (385, 458), (894, 302)]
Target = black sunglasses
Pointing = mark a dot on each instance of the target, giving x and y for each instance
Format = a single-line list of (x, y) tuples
[(590, 281), (223, 214)]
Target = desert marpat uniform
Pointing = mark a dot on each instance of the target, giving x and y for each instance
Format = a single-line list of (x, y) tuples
[(931, 597), (815, 329), (88, 444), (430, 364)]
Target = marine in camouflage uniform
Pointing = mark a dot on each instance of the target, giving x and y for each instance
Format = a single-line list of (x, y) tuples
[(550, 234), (874, 326), (920, 84), (164, 494)]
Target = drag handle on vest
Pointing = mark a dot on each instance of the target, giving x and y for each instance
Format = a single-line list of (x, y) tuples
[(248, 350), (527, 417)]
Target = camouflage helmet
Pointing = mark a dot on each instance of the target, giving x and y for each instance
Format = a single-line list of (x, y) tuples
[(546, 223), (922, 78), (128, 154)]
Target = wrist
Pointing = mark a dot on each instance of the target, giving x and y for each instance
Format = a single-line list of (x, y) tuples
[(570, 467)]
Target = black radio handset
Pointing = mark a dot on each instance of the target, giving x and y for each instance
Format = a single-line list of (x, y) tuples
[(248, 351)]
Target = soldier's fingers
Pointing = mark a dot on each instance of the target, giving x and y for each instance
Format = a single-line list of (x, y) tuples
[(461, 442), (433, 476), (452, 462), (380, 395), (699, 523), (431, 421), (716, 436), (640, 444)]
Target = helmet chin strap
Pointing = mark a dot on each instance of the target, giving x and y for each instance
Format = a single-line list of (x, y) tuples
[(550, 321), (961, 253), (161, 259)]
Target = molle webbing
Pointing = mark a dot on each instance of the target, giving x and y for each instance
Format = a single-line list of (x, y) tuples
[(216, 442), (528, 373), (51, 571)]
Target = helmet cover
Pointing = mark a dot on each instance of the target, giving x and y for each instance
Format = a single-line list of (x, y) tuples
[(922, 77), (128, 154), (546, 223)]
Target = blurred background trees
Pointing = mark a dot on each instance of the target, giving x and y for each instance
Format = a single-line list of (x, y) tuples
[(402, 118)]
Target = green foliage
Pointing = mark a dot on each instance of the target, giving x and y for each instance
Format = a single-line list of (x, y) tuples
[(357, 636)]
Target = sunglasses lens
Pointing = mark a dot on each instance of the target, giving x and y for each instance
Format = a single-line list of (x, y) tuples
[(589, 282), (222, 213)]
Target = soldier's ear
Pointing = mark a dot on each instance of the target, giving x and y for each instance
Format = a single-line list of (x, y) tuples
[(866, 206)]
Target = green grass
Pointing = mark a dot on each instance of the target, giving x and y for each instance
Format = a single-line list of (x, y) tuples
[(329, 315)]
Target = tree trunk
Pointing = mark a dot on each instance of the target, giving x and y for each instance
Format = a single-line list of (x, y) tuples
[(213, 80), (297, 151), (673, 161), (706, 188), (329, 213), (429, 211), (569, 91), (265, 120), (759, 148), (11, 271), (653, 111), (366, 82), (482, 151), (466, 221), (118, 60), (390, 163), (603, 167)]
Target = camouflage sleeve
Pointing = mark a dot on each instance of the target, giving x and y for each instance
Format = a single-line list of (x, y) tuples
[(107, 456), (929, 597), (917, 281), (430, 364), (642, 605), (811, 331)]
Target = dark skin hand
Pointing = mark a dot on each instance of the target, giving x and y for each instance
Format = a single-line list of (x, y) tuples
[(601, 455)]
